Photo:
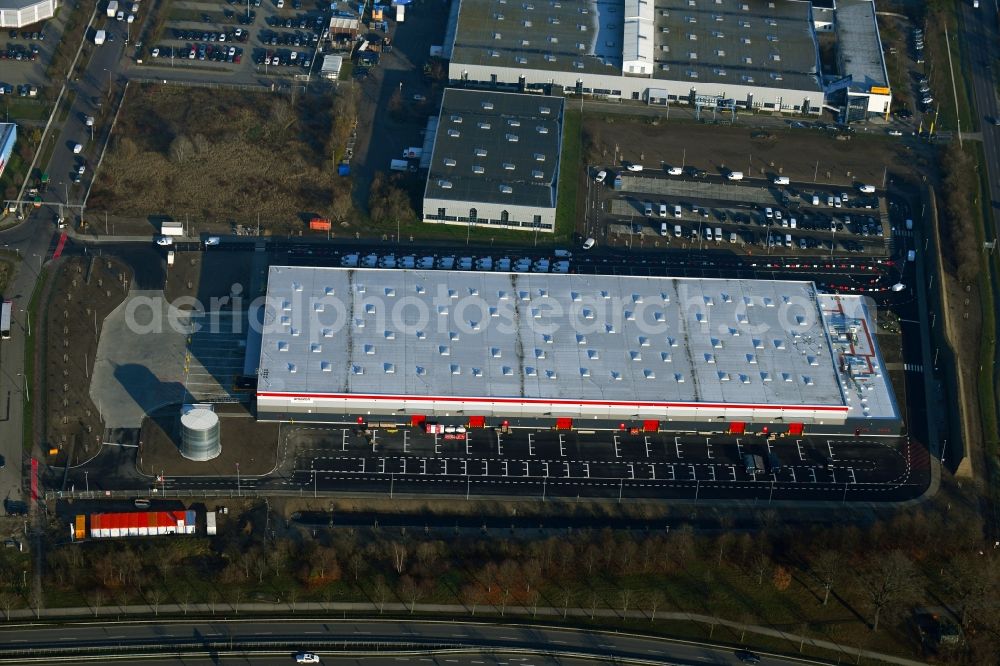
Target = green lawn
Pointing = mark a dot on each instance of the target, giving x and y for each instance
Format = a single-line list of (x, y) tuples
[(29, 362), (569, 174), (24, 109)]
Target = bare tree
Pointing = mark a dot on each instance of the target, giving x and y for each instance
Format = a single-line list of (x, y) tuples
[(356, 563), (96, 600), (887, 580), (181, 148), (567, 596), (760, 563), (7, 599), (508, 576), (626, 595), (472, 595), (654, 599), (213, 598), (185, 599), (531, 597), (398, 556), (380, 591), (827, 567), (155, 596), (591, 556), (410, 590)]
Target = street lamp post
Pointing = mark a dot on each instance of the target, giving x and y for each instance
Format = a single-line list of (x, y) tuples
[(86, 480), (239, 492)]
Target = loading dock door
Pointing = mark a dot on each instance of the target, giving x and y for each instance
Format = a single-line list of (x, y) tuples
[(564, 424), (651, 426), (477, 421), (418, 420), (737, 427), (795, 429)]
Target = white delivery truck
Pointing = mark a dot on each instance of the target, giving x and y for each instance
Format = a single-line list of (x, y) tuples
[(781, 180), (210, 526), (400, 13), (413, 153), (112, 8), (735, 175), (172, 228), (99, 37)]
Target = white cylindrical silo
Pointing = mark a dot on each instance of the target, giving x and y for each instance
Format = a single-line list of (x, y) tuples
[(200, 434)]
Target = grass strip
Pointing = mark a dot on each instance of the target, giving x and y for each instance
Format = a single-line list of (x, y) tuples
[(28, 425)]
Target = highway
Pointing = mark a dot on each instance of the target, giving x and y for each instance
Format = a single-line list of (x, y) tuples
[(536, 644)]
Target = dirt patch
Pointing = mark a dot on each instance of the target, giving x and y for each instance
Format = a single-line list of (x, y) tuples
[(218, 156), (801, 154), (245, 441), (84, 292)]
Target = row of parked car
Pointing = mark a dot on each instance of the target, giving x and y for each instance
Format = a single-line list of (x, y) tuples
[(452, 262), (296, 38), (283, 58), (215, 53), (301, 22), (23, 90), (237, 35), (26, 34), (19, 52), (771, 238)]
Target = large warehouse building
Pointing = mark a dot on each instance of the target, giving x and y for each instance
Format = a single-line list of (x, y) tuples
[(495, 161), (568, 351), (19, 13), (743, 53)]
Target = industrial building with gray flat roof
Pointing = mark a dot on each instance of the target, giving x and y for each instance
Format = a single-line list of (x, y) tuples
[(495, 160), (568, 350), (751, 54), (19, 13)]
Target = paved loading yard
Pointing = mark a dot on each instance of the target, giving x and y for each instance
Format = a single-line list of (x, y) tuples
[(578, 464)]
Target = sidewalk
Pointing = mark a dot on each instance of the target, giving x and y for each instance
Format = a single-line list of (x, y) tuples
[(357, 610)]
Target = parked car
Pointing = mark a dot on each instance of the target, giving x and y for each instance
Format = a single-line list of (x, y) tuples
[(633, 167), (589, 243)]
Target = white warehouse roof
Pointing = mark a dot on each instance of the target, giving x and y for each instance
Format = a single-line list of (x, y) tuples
[(671, 346)]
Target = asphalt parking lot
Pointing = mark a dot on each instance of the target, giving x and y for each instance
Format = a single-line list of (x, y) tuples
[(603, 465), (230, 37), (25, 54), (698, 211)]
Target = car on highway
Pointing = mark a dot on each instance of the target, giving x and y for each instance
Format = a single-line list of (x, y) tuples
[(589, 243), (89, 121), (306, 658), (601, 175), (748, 657), (81, 169), (631, 166), (3, 462), (866, 189), (895, 132), (77, 149), (675, 171), (164, 240), (212, 240)]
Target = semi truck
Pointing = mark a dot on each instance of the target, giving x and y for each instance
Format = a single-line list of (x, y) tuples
[(99, 37), (112, 8)]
